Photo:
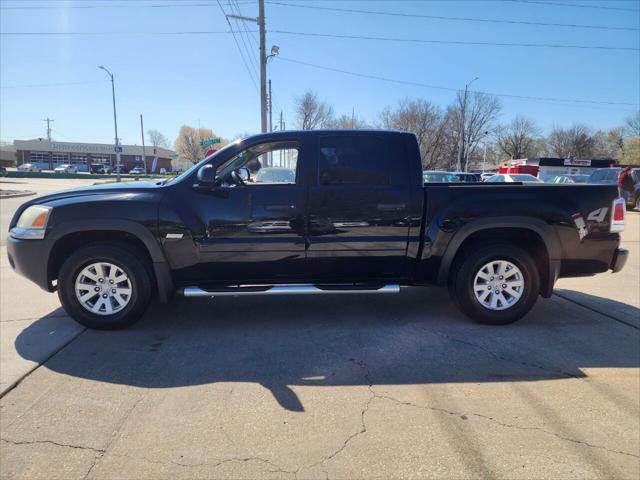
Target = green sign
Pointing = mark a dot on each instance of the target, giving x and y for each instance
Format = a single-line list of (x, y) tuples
[(208, 142)]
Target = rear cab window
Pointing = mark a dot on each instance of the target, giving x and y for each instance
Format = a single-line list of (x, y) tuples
[(366, 160)]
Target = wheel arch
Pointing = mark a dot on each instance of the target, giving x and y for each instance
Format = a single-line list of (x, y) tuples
[(509, 229), (69, 235)]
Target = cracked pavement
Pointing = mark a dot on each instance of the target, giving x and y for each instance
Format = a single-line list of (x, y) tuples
[(338, 387), (366, 387)]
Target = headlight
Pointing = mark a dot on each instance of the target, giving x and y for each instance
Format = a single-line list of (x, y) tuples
[(32, 223)]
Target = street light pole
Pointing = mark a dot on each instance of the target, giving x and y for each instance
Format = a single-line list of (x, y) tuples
[(115, 122), (462, 125), (144, 154)]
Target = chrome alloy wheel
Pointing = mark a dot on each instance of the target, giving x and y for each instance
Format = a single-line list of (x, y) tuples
[(103, 288), (498, 285)]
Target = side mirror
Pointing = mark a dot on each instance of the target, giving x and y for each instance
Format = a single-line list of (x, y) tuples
[(245, 173), (207, 176)]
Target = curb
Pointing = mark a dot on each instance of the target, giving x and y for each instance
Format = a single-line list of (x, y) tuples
[(17, 195)]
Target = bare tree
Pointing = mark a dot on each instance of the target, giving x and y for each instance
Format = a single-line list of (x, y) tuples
[(425, 120), (347, 122), (518, 139), (157, 139), (574, 142), (312, 113), (633, 124), (480, 114), (187, 144)]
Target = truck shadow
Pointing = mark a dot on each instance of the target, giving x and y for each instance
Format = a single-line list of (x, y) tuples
[(416, 337)]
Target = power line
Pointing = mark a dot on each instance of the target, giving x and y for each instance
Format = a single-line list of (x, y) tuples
[(204, 32), (242, 29), (249, 70), (38, 85), (453, 42), (574, 5), (250, 33), (564, 101), (247, 49), (457, 19), (90, 7)]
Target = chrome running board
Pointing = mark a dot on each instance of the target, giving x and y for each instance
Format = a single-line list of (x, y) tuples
[(246, 290)]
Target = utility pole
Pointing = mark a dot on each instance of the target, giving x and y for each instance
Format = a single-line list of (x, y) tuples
[(263, 66), (263, 59), (462, 126), (115, 122), (270, 109), (48, 120), (144, 155)]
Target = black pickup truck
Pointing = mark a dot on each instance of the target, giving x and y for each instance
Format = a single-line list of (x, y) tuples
[(314, 212)]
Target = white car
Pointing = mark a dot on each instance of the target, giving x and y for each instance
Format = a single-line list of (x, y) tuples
[(28, 167), (65, 168), (513, 177)]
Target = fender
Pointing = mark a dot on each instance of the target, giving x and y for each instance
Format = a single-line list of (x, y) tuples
[(160, 265), (545, 231)]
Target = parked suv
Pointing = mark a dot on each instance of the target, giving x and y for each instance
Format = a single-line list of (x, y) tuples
[(99, 168)]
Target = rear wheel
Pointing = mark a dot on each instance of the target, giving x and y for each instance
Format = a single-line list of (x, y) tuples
[(104, 286), (496, 284)]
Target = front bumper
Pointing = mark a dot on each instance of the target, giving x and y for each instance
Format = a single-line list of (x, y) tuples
[(620, 256), (30, 259)]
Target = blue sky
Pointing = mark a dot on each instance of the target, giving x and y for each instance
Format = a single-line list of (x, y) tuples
[(200, 79)]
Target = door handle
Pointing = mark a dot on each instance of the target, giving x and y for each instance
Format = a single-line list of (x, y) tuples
[(280, 207), (391, 207)]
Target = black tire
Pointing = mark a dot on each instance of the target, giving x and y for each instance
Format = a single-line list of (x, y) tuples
[(126, 260), (469, 264)]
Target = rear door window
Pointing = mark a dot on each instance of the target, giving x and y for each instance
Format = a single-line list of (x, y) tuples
[(358, 160)]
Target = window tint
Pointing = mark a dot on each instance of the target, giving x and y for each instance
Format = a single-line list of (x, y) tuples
[(356, 160)]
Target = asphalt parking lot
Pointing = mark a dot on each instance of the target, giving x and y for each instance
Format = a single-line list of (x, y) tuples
[(394, 386)]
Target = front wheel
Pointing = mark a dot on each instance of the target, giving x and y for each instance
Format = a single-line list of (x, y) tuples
[(104, 287), (496, 284)]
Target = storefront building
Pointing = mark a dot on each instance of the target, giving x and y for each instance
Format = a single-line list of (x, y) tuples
[(47, 155)]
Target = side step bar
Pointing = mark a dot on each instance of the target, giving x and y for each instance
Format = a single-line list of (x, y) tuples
[(289, 290)]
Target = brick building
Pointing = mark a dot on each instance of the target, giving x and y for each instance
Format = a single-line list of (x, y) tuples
[(49, 154)]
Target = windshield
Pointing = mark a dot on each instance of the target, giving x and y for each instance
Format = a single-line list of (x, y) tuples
[(275, 175), (438, 177), (524, 178)]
